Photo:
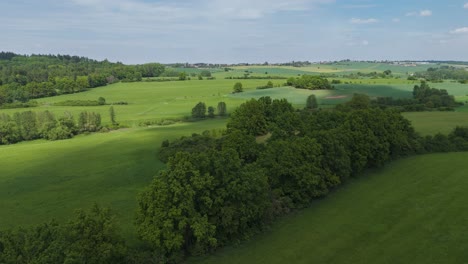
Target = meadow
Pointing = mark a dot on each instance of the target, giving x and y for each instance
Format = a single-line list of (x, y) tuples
[(412, 211)]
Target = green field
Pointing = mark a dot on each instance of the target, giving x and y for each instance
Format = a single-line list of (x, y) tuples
[(430, 123), (41, 180), (412, 211), (150, 100)]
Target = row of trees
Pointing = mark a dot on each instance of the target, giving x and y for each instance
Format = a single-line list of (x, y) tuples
[(218, 190), (310, 82), (200, 110), (31, 125)]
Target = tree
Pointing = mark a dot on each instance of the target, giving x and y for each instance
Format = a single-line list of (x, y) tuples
[(182, 76), (311, 102), (211, 111), (237, 88), (101, 101), (112, 115), (199, 111), (250, 118), (222, 109)]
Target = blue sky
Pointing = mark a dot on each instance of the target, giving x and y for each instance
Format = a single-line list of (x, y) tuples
[(139, 31)]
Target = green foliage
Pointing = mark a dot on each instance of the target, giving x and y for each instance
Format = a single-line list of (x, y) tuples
[(443, 73), (211, 112), (194, 206), (89, 122), (199, 111), (311, 102), (249, 118), (237, 88), (112, 115), (310, 82), (101, 100), (222, 109), (90, 238)]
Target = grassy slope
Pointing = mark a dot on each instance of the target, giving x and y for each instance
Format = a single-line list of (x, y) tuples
[(413, 211), (41, 180)]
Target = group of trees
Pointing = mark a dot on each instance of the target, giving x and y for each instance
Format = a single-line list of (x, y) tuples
[(424, 98), (217, 190), (31, 125), (310, 82), (27, 77), (200, 110)]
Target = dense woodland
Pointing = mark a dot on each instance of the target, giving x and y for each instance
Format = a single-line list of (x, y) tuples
[(27, 77)]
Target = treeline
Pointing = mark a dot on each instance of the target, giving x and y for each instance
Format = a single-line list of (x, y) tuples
[(30, 125), (310, 82), (424, 98), (444, 73), (218, 190), (26, 77)]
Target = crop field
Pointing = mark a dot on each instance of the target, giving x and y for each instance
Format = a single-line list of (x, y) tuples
[(412, 211)]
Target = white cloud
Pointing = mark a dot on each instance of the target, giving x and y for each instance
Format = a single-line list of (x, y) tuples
[(363, 21), (462, 30), (424, 13), (365, 42), (239, 9), (465, 6), (396, 20)]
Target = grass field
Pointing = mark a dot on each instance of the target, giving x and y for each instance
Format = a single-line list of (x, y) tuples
[(430, 123), (41, 180), (412, 211), (150, 100)]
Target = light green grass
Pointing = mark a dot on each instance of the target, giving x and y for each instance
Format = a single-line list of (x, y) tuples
[(41, 180), (431, 123), (413, 211), (150, 100)]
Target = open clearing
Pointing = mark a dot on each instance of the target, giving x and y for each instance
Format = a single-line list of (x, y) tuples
[(412, 211)]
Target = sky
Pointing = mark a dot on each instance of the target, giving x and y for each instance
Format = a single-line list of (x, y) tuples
[(235, 31)]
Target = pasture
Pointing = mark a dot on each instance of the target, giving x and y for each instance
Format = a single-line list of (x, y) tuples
[(412, 211)]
